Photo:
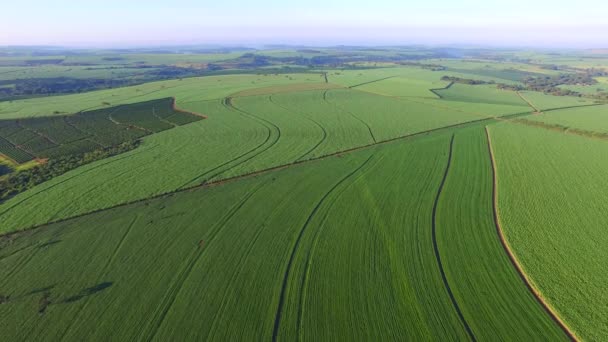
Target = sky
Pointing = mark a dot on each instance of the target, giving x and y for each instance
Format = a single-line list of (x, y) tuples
[(114, 23)]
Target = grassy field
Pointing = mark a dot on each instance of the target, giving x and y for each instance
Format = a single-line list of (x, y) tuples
[(551, 201)]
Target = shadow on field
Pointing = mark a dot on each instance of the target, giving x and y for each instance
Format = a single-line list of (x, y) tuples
[(47, 244), (88, 292)]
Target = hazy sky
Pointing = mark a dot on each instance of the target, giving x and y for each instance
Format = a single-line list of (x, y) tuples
[(581, 23)]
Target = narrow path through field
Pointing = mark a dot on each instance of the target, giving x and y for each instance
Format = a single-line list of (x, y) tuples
[(536, 110), (436, 247), (219, 168), (509, 251), (311, 251), (277, 320), (371, 133), (311, 120)]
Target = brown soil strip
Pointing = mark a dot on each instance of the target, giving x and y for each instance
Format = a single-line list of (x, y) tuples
[(252, 174), (436, 247), (512, 257)]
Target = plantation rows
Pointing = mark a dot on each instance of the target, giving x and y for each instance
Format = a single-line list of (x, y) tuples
[(50, 137), (242, 135), (343, 254)]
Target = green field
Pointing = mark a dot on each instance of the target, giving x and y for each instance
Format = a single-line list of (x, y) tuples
[(351, 200), (551, 193), (51, 137), (371, 274), (591, 118)]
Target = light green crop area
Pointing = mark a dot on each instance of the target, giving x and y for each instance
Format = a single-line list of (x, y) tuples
[(481, 94), (403, 86), (552, 200), (185, 90), (591, 118), (546, 102)]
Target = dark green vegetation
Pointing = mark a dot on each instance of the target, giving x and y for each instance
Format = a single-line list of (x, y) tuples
[(16, 182), (59, 136), (354, 201)]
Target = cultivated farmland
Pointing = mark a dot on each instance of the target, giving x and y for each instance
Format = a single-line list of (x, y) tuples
[(354, 200)]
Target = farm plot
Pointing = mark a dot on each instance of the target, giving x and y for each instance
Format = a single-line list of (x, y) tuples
[(480, 94), (547, 102), (387, 118), (552, 204), (480, 109), (493, 298), (234, 141), (403, 86), (135, 272), (185, 90), (50, 137), (291, 254), (202, 150), (583, 119)]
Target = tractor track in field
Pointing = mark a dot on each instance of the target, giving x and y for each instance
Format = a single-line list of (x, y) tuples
[(310, 119), (369, 82), (282, 296), (436, 246), (516, 264), (310, 252), (536, 110), (244, 176), (371, 133), (180, 279), (229, 104)]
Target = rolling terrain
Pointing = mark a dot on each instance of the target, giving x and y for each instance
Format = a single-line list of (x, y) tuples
[(373, 204)]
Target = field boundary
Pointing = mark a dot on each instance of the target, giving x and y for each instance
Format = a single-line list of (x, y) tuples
[(368, 82), (253, 174), (436, 246), (505, 244), (434, 90), (536, 110)]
